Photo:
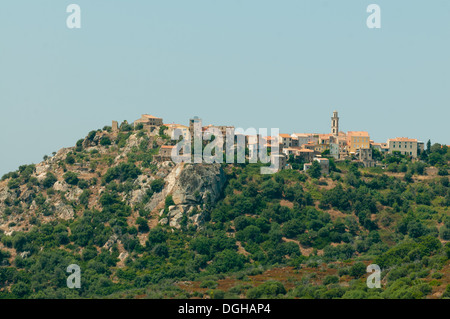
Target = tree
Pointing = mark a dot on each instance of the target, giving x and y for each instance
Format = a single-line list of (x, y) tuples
[(162, 128), (157, 235), (71, 178), (161, 250), (70, 159), (122, 172), (105, 140), (142, 225), (429, 146), (91, 135), (169, 201), (357, 270), (376, 154), (315, 171), (293, 228), (266, 290), (249, 234), (157, 185), (228, 260), (408, 177)]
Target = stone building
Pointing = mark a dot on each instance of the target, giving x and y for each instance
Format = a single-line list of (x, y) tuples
[(149, 122), (324, 165), (404, 145), (165, 153), (282, 161), (181, 130), (365, 156), (115, 127), (357, 140)]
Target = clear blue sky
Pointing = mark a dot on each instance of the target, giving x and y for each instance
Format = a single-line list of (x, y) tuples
[(248, 63)]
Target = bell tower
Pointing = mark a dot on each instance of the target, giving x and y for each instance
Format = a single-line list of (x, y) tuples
[(335, 124)]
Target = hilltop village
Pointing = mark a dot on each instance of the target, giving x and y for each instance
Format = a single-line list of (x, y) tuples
[(300, 148), (140, 224)]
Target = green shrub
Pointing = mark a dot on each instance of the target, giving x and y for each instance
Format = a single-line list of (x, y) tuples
[(157, 185), (71, 178), (49, 180), (122, 172), (357, 270), (330, 280), (105, 140), (269, 289)]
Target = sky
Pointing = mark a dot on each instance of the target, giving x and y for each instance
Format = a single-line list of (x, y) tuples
[(249, 63)]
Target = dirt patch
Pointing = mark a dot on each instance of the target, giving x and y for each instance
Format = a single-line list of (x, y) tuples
[(336, 214), (287, 203), (439, 285), (290, 277)]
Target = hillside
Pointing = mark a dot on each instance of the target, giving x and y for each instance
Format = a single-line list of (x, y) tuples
[(140, 228)]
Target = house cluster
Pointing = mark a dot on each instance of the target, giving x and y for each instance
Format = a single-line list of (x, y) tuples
[(153, 124), (353, 145), (304, 147)]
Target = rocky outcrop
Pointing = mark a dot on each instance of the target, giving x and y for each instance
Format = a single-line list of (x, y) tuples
[(73, 194), (197, 182), (157, 200), (6, 194), (60, 186), (191, 186), (64, 211)]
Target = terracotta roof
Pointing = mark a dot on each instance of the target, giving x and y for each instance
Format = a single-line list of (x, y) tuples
[(285, 135), (175, 125), (358, 133), (302, 134), (149, 116), (167, 146), (402, 139)]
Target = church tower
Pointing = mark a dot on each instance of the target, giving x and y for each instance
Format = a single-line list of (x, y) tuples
[(335, 124)]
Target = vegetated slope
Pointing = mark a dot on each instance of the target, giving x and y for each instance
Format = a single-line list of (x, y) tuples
[(146, 229)]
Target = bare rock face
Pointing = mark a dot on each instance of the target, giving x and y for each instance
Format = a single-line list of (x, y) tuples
[(196, 181), (7, 194), (175, 218), (191, 185), (61, 186), (64, 211), (73, 194), (170, 180), (59, 156)]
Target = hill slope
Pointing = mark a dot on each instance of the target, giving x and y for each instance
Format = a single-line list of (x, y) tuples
[(142, 228)]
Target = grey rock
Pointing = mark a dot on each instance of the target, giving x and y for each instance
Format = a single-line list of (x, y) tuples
[(196, 181), (64, 211), (175, 220), (163, 221)]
